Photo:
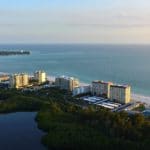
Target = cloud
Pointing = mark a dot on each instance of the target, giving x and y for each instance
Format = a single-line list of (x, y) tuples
[(74, 25), (98, 25)]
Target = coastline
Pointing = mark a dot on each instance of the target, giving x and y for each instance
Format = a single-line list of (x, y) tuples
[(134, 96), (141, 98), (67, 114)]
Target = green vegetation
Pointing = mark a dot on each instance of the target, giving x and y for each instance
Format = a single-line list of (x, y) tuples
[(141, 108), (7, 53), (12, 100), (71, 126)]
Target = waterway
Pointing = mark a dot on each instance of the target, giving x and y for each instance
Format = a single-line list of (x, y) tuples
[(18, 131)]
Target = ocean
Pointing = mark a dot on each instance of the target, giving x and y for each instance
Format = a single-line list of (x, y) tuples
[(123, 64)]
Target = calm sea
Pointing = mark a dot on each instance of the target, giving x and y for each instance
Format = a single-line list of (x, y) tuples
[(124, 64)]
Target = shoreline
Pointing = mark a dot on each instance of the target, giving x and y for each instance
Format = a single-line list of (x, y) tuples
[(141, 98), (134, 96)]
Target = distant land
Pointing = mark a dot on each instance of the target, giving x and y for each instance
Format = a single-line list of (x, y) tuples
[(17, 52)]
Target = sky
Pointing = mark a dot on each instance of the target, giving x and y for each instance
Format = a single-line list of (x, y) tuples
[(75, 21)]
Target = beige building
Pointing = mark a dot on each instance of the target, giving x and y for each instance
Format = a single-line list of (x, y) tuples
[(40, 76), (4, 78), (101, 88), (120, 93), (67, 83), (19, 80)]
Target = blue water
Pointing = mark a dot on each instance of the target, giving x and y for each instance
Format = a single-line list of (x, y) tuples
[(18, 131), (125, 64)]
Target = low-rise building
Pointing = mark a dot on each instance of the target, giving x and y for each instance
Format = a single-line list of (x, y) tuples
[(120, 93), (4, 78), (81, 90), (40, 76), (4, 85), (19, 80), (67, 83), (101, 88)]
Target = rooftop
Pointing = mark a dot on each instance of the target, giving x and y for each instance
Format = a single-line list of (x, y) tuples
[(67, 78), (103, 82), (120, 86)]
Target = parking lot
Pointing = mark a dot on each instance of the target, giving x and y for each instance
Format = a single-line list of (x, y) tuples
[(100, 101)]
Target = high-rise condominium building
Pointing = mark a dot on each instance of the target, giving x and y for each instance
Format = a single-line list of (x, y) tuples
[(120, 93), (19, 80), (101, 88), (67, 83), (40, 76)]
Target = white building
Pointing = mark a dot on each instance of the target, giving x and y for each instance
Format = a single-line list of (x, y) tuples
[(120, 93), (101, 88), (67, 83), (81, 90), (40, 76)]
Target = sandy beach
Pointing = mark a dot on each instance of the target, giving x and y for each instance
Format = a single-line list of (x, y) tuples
[(141, 98)]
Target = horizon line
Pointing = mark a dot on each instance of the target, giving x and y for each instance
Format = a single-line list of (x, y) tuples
[(74, 43)]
